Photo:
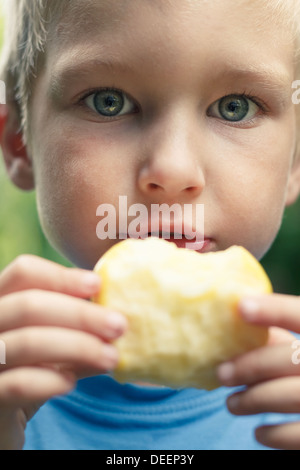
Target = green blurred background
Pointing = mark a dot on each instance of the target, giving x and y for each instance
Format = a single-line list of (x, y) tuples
[(20, 232)]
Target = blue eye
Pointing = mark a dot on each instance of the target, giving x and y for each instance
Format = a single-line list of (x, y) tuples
[(234, 108), (110, 103)]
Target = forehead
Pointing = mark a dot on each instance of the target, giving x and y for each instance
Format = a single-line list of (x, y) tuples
[(158, 31), (84, 17)]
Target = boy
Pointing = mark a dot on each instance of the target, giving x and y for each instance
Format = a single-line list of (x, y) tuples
[(163, 101)]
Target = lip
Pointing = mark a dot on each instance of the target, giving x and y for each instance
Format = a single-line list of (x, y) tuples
[(203, 246), (183, 236), (199, 246)]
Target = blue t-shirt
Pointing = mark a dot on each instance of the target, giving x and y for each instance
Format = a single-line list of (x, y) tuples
[(103, 414)]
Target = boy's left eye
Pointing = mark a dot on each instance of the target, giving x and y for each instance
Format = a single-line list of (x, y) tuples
[(110, 103), (234, 108)]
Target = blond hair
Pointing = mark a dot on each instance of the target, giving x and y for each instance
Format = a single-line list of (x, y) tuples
[(27, 25), (25, 37)]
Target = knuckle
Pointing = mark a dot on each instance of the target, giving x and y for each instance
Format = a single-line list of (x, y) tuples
[(18, 271), (17, 389), (27, 342), (22, 265), (16, 274), (29, 304), (84, 316)]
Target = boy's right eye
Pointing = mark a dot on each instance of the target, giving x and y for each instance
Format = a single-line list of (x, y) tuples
[(109, 102)]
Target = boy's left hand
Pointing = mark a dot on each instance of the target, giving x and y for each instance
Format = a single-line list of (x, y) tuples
[(271, 374)]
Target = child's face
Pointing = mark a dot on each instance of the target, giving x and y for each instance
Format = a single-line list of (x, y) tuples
[(169, 137)]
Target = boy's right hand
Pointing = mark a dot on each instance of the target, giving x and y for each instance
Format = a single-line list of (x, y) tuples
[(52, 335)]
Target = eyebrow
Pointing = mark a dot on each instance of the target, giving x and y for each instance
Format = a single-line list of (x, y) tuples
[(273, 75), (60, 79), (267, 81), (274, 78)]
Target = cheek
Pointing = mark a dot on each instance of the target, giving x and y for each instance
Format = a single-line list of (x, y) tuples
[(250, 185), (257, 204), (72, 180)]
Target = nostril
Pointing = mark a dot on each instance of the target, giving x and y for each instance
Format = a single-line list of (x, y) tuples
[(191, 189), (153, 186)]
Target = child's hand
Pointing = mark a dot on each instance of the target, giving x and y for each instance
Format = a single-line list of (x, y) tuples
[(52, 337), (271, 373)]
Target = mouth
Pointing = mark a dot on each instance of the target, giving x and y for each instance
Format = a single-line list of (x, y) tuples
[(183, 235), (181, 241), (196, 243), (201, 245)]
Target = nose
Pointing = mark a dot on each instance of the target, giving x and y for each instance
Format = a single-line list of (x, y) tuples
[(171, 168)]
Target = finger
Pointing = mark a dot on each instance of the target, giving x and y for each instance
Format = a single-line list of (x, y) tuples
[(279, 336), (36, 345), (282, 436), (259, 365), (32, 384), (274, 396), (32, 272), (272, 310), (41, 308)]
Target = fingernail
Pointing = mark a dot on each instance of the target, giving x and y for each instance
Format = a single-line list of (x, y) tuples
[(90, 280), (226, 373), (233, 402), (249, 308), (110, 356), (116, 323)]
